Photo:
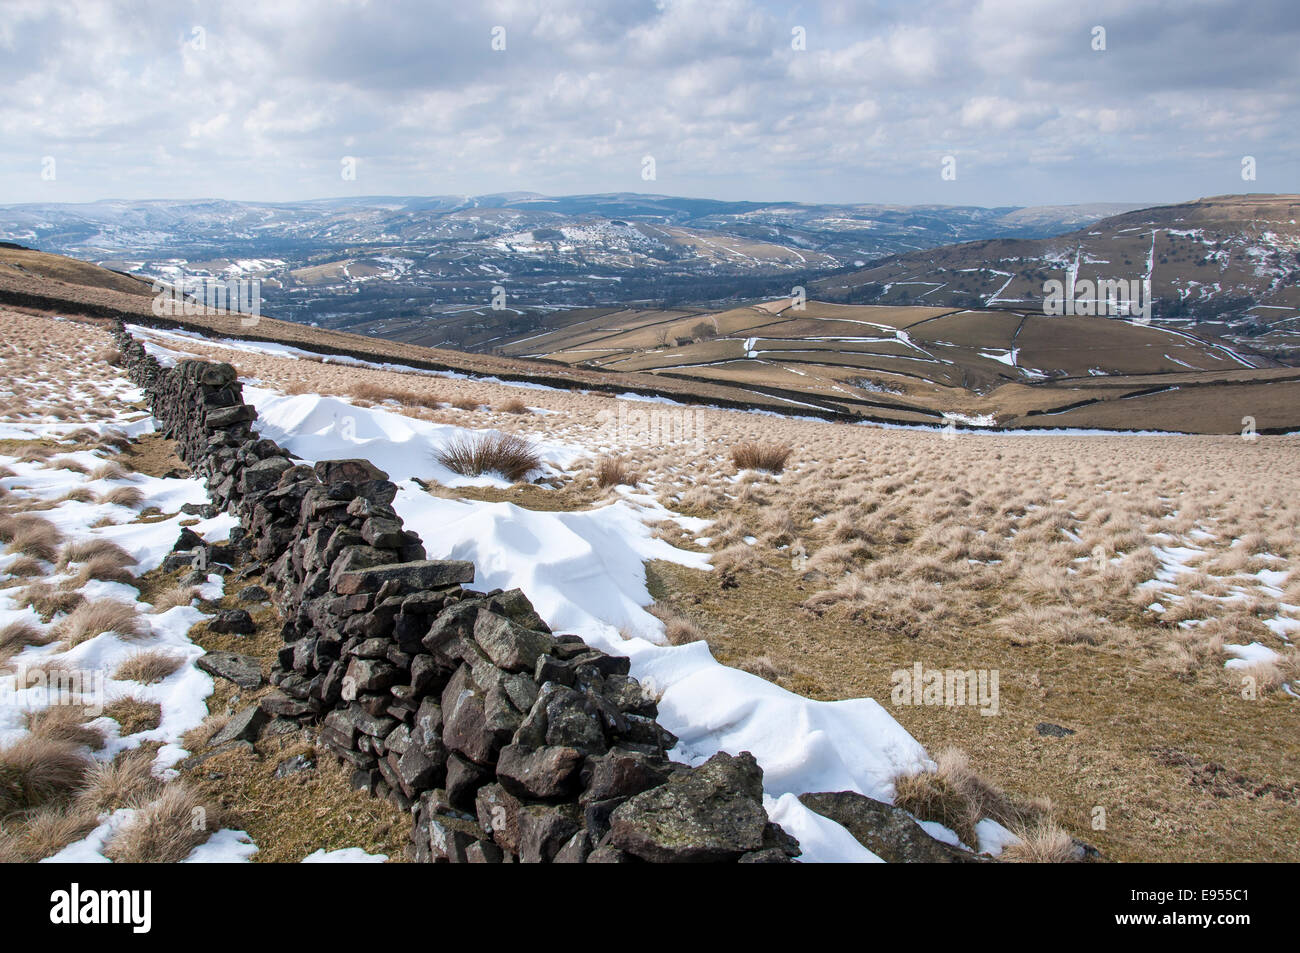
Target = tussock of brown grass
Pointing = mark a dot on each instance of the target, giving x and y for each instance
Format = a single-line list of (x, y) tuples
[(35, 454), (95, 618), (128, 496), (738, 557), (85, 550), (44, 832), (956, 797), (512, 406), (110, 785), (769, 457), (113, 440), (26, 567), (67, 463), (66, 723), (105, 568), (166, 829), (35, 771), (678, 629), (16, 636), (31, 536), (613, 471), (134, 715), (48, 601), (201, 734), (1041, 842), (109, 354), (112, 470), (173, 597), (761, 665), (507, 454), (149, 667), (465, 403)]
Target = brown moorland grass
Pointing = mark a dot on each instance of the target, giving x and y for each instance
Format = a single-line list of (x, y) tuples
[(35, 771), (48, 600), (768, 457), (507, 454), (134, 715), (165, 829), (148, 667), (90, 619), (613, 471)]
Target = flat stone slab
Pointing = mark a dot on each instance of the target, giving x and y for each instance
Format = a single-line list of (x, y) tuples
[(244, 670), (414, 576)]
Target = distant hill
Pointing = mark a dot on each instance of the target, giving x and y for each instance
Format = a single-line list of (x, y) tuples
[(1227, 267), (337, 261)]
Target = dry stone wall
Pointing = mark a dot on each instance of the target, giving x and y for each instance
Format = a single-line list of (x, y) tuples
[(506, 741)]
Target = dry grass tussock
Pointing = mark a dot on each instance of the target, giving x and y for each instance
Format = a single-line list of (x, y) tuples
[(613, 471), (178, 595), (35, 771), (769, 457), (134, 715), (31, 536), (166, 829), (507, 454), (148, 667), (90, 619), (955, 796), (66, 723)]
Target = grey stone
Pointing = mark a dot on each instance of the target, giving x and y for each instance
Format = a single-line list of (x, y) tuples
[(243, 670), (710, 813), (887, 831)]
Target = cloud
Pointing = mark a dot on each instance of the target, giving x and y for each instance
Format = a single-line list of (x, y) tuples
[(158, 99)]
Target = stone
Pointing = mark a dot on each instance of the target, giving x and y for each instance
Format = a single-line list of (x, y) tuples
[(263, 475), (232, 622), (383, 533), (606, 854), (514, 605), (187, 541), (280, 705), (348, 471), (544, 829), (423, 574), (465, 723), (244, 725), (620, 773), (509, 645), (498, 815), (225, 417), (450, 837), (368, 675), (1047, 729), (576, 850), (549, 772), (243, 670), (710, 813), (421, 767), (253, 594), (887, 831), (464, 778)]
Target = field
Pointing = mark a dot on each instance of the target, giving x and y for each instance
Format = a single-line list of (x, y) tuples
[(906, 365)]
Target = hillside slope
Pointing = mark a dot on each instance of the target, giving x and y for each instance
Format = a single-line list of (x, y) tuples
[(1227, 266)]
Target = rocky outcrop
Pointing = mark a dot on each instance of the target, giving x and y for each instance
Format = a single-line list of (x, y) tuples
[(887, 831), (506, 741)]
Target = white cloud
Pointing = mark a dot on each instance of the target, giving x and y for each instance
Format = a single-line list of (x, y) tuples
[(277, 92)]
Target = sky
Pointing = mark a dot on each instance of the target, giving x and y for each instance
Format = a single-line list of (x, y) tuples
[(980, 102)]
